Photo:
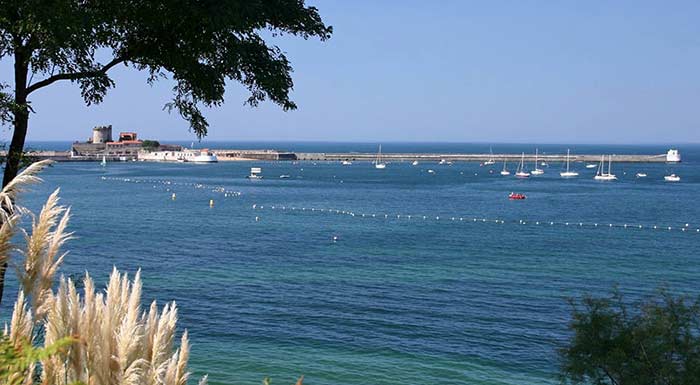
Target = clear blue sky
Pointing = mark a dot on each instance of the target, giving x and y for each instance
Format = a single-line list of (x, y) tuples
[(463, 71)]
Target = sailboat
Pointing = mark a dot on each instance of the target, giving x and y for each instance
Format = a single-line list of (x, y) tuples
[(490, 161), (521, 173), (537, 171), (505, 172), (605, 176), (378, 164), (104, 161), (568, 173)]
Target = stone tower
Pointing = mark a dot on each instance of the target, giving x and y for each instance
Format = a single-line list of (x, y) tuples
[(102, 134)]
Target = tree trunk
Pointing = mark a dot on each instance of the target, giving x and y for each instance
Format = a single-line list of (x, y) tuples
[(14, 153)]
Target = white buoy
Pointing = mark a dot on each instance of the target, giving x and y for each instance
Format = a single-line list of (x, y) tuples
[(211, 203), (173, 196), (257, 219)]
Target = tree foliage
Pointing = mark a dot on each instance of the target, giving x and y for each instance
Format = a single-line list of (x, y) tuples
[(654, 342), (200, 44), (149, 144)]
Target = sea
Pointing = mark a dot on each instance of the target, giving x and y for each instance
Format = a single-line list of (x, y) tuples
[(348, 275)]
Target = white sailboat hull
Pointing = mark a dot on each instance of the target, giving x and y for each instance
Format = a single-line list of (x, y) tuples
[(568, 174), (605, 177)]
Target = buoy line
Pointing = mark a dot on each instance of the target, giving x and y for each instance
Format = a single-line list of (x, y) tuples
[(166, 182), (686, 228)]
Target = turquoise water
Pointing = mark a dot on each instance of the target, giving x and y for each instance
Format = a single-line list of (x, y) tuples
[(392, 300)]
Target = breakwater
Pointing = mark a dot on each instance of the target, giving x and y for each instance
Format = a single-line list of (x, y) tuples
[(274, 155), (409, 157)]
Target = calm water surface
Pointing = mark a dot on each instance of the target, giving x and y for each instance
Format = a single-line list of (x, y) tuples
[(393, 300)]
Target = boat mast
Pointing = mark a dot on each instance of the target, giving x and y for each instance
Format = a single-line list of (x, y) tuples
[(536, 149), (567, 159)]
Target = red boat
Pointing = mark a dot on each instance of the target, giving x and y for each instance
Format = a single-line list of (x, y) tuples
[(516, 196)]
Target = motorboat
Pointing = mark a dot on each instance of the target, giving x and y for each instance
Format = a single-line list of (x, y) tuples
[(346, 163), (516, 196), (672, 178), (255, 173), (414, 163), (641, 175), (568, 173)]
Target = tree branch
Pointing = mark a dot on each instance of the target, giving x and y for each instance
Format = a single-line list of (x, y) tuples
[(75, 75)]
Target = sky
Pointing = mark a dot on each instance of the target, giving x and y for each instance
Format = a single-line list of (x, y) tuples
[(447, 71)]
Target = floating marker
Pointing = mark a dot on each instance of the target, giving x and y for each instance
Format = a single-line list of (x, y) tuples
[(211, 203), (173, 196)]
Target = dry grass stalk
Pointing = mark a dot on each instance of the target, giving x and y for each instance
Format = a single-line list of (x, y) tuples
[(117, 342)]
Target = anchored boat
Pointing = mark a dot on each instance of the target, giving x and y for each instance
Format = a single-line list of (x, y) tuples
[(568, 173), (505, 172), (378, 164), (521, 173), (537, 171), (601, 174), (255, 173), (516, 196)]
